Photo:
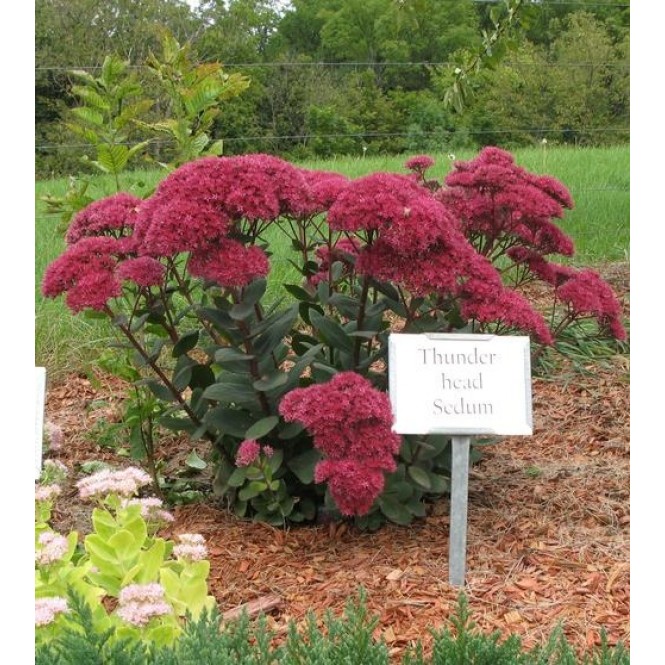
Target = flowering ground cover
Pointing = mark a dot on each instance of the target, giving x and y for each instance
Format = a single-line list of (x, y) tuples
[(548, 538)]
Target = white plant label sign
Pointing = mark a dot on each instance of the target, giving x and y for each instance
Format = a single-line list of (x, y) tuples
[(40, 397), (460, 384)]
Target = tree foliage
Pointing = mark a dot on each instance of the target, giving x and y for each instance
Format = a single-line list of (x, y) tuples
[(389, 75)]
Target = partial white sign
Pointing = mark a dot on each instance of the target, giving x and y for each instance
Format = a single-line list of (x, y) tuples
[(460, 384), (40, 397)]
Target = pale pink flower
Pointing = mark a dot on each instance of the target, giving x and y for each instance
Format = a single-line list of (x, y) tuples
[(138, 603), (54, 435), (151, 509), (191, 548), (47, 492), (46, 609), (53, 548), (125, 482)]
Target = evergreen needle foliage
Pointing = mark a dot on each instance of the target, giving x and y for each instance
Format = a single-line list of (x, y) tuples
[(343, 641)]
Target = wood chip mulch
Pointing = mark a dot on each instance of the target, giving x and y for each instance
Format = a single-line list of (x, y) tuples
[(548, 526)]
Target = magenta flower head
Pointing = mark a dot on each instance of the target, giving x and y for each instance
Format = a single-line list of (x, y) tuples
[(587, 294), (351, 424), (419, 164), (144, 271), (248, 452), (86, 273), (374, 202), (495, 199), (325, 187), (229, 263), (112, 216), (198, 204)]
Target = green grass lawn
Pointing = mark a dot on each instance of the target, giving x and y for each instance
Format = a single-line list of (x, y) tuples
[(598, 179)]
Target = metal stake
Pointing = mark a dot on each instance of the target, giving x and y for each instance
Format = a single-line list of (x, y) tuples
[(459, 499)]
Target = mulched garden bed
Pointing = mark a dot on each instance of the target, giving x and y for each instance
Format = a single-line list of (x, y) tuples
[(548, 523)]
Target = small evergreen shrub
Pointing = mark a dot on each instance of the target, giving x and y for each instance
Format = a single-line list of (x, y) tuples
[(342, 641)]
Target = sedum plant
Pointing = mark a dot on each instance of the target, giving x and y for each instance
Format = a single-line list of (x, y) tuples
[(136, 584), (290, 392)]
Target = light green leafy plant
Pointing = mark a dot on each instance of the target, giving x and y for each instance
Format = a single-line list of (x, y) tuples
[(135, 582)]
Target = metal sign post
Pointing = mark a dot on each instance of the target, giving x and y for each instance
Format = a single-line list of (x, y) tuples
[(462, 385), (459, 501)]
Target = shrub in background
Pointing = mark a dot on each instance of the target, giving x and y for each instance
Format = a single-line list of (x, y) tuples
[(290, 392)]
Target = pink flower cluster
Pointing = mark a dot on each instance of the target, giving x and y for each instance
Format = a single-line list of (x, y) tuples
[(324, 188), (47, 492), (52, 547), (138, 603), (191, 548), (86, 273), (351, 424), (54, 435), (497, 201), (152, 509), (584, 291), (47, 609), (249, 451), (229, 262), (420, 245), (194, 210), (198, 204), (112, 216), (587, 294), (125, 482)]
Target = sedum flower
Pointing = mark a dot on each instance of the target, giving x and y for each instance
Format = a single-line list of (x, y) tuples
[(113, 215), (248, 452), (419, 164), (152, 509), (229, 263), (47, 492), (54, 436), (85, 273), (351, 424), (587, 294), (496, 201), (138, 603), (125, 482), (191, 548), (353, 484), (324, 188), (53, 472), (144, 271), (47, 609), (53, 547)]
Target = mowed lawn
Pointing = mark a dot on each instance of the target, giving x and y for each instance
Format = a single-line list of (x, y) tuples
[(598, 179)]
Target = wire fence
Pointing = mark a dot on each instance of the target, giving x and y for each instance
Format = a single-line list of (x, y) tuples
[(358, 63), (368, 135)]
